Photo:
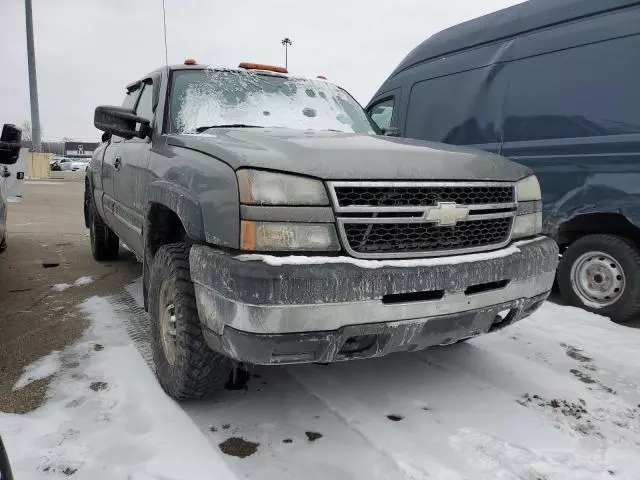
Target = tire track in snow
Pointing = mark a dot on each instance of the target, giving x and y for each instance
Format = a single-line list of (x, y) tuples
[(136, 322), (274, 407)]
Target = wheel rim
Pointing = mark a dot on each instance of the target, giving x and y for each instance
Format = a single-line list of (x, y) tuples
[(598, 279), (168, 330)]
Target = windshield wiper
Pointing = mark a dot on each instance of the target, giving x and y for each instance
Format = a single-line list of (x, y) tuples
[(231, 125)]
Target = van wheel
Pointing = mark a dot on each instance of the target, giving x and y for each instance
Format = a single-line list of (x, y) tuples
[(104, 242), (185, 366), (3, 243), (601, 273)]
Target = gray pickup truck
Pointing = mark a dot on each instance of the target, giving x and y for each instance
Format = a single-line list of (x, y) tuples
[(277, 225)]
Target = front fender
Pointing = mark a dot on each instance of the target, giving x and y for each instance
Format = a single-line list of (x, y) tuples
[(181, 201)]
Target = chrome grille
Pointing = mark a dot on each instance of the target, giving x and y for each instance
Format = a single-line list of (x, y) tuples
[(422, 219), (400, 196)]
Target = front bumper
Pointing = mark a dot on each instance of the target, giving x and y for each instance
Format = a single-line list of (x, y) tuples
[(270, 310)]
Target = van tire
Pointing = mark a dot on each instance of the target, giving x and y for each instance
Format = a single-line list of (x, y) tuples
[(3, 243), (185, 365), (624, 255), (104, 242)]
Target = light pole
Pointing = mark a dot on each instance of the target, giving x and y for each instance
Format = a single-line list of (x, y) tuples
[(286, 42), (33, 81)]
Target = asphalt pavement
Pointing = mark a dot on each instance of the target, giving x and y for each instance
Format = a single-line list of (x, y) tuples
[(48, 248)]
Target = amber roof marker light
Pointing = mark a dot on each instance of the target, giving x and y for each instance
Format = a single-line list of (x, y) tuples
[(261, 66), (190, 61)]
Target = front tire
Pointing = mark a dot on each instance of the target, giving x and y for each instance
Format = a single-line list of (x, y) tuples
[(104, 242), (601, 273), (185, 366)]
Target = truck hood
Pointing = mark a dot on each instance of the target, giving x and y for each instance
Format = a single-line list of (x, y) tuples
[(343, 156)]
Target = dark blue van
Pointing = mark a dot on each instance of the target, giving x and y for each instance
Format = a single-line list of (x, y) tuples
[(555, 85)]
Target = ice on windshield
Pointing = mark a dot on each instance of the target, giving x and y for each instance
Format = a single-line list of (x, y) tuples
[(213, 97)]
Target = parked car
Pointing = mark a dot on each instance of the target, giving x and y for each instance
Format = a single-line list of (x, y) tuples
[(276, 227), (9, 153), (60, 164), (551, 85), (80, 164)]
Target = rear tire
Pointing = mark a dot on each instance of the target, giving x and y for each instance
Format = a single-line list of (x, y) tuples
[(104, 242), (3, 243), (185, 365), (601, 273)]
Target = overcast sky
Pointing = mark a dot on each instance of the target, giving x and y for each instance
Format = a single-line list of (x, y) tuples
[(87, 51)]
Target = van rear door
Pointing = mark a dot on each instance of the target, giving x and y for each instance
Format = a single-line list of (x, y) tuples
[(16, 180)]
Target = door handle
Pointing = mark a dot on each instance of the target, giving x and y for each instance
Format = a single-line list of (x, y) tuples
[(117, 163), (5, 172)]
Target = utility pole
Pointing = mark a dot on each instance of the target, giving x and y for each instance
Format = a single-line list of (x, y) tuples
[(286, 42), (33, 81)]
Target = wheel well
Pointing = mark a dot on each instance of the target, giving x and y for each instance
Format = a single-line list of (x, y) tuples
[(592, 223), (162, 226)]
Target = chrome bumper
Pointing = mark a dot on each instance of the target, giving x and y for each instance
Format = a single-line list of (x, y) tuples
[(267, 296)]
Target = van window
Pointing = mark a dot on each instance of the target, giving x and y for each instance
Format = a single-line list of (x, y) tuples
[(382, 112), (580, 92), (454, 109)]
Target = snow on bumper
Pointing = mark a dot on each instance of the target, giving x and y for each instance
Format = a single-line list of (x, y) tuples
[(263, 309)]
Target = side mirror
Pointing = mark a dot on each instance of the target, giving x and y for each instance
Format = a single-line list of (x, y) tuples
[(5, 467), (391, 132), (10, 144), (121, 122), (106, 136)]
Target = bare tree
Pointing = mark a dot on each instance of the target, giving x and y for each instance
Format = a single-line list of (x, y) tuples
[(27, 135)]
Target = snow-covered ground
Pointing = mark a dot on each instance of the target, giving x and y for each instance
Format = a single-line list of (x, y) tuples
[(556, 396)]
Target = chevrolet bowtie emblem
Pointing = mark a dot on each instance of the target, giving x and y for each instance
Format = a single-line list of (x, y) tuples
[(446, 214)]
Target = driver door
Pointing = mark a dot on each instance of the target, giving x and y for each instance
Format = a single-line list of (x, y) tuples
[(111, 163), (131, 176)]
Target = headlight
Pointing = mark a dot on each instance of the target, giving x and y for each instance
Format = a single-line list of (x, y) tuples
[(529, 221), (267, 188), (527, 225), (272, 236), (528, 189)]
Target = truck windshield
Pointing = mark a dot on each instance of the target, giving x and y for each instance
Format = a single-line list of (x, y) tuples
[(210, 98)]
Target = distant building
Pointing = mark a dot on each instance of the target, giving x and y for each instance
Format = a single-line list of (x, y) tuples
[(79, 149)]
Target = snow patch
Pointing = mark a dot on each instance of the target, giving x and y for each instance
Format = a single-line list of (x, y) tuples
[(42, 368), (419, 262), (107, 418), (82, 281)]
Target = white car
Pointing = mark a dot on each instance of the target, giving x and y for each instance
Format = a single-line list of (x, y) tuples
[(60, 163), (80, 164)]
